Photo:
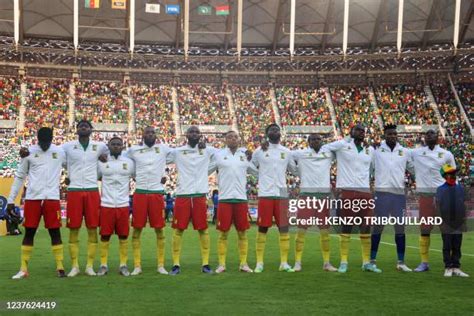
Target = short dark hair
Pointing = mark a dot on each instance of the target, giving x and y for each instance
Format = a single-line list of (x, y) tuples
[(229, 132), (270, 126), (45, 134), (84, 121), (116, 137), (389, 126)]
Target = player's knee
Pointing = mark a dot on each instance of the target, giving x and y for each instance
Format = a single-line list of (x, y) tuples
[(263, 230), (55, 235), (285, 229), (29, 238), (123, 237), (105, 237)]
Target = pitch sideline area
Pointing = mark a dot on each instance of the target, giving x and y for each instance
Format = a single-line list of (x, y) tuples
[(272, 292)]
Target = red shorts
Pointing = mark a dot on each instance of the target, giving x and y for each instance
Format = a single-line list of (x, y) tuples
[(272, 208), (427, 206), (83, 204), (307, 214), (187, 208), (228, 213), (114, 220), (364, 208), (50, 209), (151, 206)]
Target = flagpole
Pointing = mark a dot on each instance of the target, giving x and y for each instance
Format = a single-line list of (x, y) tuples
[(186, 29), (239, 27), (76, 25), (132, 26)]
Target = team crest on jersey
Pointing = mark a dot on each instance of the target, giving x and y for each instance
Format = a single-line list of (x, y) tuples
[(75, 146), (324, 155), (157, 150), (282, 155), (367, 151), (311, 154), (348, 147), (36, 155), (142, 151), (400, 153), (225, 158), (440, 155), (383, 150), (55, 155), (94, 147), (124, 166), (424, 153), (200, 152), (266, 155), (107, 166), (241, 158)]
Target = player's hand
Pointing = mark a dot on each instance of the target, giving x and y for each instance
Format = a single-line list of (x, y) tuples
[(163, 180), (264, 145), (67, 181), (248, 153), (103, 158), (201, 145), (24, 152)]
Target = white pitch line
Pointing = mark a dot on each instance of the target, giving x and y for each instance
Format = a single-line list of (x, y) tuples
[(412, 247)]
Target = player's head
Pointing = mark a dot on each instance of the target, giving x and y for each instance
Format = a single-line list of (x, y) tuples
[(45, 137), (232, 139), (149, 136), (84, 128), (390, 134), (315, 141), (273, 133), (115, 146), (431, 137), (358, 132), (193, 135)]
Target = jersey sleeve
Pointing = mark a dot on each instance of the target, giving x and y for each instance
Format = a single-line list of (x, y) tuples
[(20, 177)]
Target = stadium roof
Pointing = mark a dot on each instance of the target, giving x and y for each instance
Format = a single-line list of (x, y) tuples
[(372, 23)]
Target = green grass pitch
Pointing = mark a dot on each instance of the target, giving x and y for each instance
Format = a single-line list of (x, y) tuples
[(233, 293)]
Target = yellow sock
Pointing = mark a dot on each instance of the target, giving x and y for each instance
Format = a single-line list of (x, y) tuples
[(345, 240), (160, 247), (261, 240), (299, 244), (284, 247), (222, 247), (425, 248), (91, 246), (74, 246), (104, 252), (123, 249), (324, 243), (177, 238), (25, 257), (243, 247), (205, 246), (58, 256), (365, 247), (137, 258)]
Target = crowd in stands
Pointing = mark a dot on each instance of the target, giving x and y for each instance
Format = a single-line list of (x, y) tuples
[(154, 106), (302, 106), (9, 147), (458, 139), (253, 108), (9, 98), (203, 105), (467, 99), (101, 102), (405, 105), (352, 106)]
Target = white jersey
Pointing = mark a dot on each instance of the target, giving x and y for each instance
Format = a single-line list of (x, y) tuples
[(116, 174), (390, 166), (272, 165), (232, 174), (43, 169), (82, 164), (427, 165), (150, 164), (193, 167), (353, 167), (314, 169)]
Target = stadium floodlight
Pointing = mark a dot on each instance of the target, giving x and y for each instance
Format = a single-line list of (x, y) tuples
[(400, 25), (457, 13), (346, 27), (76, 24), (16, 20)]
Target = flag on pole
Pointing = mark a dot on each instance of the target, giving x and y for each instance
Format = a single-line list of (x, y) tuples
[(205, 10), (119, 4), (92, 4), (152, 8), (222, 10)]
